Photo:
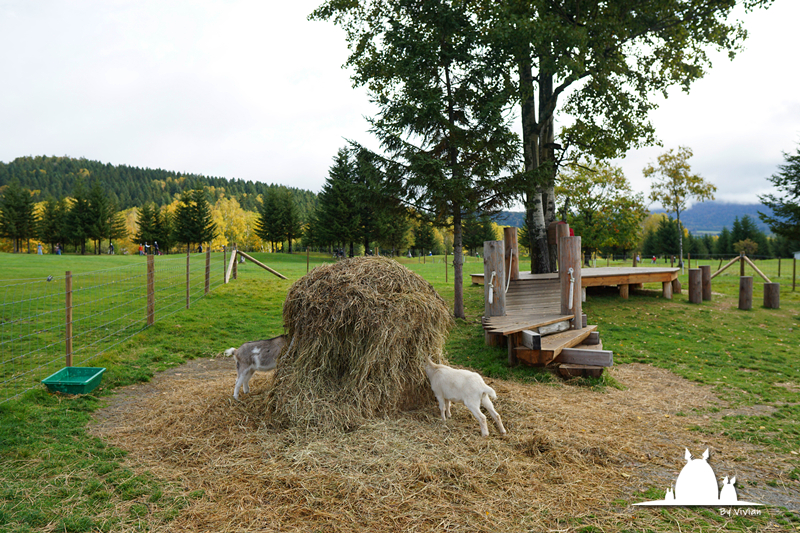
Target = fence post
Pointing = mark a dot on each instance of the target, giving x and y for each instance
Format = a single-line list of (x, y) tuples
[(224, 264), (706, 275), (779, 266), (741, 265), (151, 291), (695, 285), (308, 262), (68, 334), (235, 260), (445, 264), (187, 277), (208, 270), (745, 292), (794, 273)]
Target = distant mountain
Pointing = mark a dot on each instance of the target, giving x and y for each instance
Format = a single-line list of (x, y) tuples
[(706, 217), (711, 217)]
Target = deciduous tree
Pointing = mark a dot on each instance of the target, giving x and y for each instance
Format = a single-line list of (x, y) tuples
[(675, 185), (599, 63)]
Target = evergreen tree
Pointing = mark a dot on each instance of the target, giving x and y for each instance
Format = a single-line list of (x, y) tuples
[(724, 245), (668, 236), (100, 215), (193, 221), (442, 97), (289, 221), (336, 221), (146, 224), (477, 230), (17, 219), (785, 208), (268, 226), (79, 217), (53, 222), (424, 240), (163, 230)]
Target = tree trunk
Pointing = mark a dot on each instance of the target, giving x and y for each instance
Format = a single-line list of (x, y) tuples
[(547, 140), (458, 266)]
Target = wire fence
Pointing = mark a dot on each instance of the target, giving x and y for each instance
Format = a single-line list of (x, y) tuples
[(69, 320)]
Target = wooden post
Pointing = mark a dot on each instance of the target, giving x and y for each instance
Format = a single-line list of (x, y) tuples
[(151, 290), (569, 257), (741, 264), (772, 295), (308, 259), (745, 292), (666, 289), (689, 259), (695, 285), (779, 266), (676, 286), (794, 273), (562, 230), (225, 264), (68, 333), (672, 262), (208, 270), (235, 269), (706, 275), (511, 251), (493, 261), (445, 264), (187, 277)]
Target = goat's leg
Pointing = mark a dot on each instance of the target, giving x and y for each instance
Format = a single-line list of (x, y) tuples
[(487, 403), (443, 407), (475, 409), (447, 403), (239, 380), (247, 375)]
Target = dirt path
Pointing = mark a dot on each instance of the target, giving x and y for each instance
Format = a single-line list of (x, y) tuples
[(570, 454)]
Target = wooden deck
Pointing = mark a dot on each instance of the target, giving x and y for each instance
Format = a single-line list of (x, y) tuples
[(622, 277)]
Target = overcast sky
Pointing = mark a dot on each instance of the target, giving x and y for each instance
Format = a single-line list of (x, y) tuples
[(252, 90)]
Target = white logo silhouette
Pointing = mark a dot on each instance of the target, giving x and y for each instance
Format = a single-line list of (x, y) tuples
[(697, 485)]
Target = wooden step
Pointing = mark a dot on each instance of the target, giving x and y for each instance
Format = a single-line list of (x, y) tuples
[(571, 371), (506, 325), (552, 345)]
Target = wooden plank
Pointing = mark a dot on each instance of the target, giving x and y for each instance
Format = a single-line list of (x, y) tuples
[(765, 278), (585, 357), (593, 338), (553, 344), (523, 324), (554, 328), (494, 289), (525, 355), (262, 265), (568, 370), (720, 270), (531, 340), (624, 290)]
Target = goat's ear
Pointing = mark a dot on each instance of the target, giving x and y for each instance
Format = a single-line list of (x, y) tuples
[(733, 480), (687, 455), (706, 454)]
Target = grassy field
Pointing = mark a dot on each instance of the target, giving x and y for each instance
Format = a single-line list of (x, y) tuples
[(57, 478)]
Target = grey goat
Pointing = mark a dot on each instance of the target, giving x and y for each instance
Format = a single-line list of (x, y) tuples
[(252, 356)]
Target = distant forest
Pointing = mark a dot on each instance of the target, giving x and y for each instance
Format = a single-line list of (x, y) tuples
[(701, 218), (133, 186)]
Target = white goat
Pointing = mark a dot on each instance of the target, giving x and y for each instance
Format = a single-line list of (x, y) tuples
[(252, 356), (456, 385)]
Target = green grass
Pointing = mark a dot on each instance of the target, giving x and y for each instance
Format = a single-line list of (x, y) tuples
[(56, 477)]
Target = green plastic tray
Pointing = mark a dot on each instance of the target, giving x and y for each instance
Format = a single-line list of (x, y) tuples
[(75, 379)]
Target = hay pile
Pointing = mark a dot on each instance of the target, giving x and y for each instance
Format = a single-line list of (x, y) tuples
[(361, 329)]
